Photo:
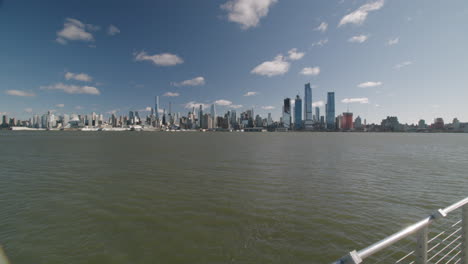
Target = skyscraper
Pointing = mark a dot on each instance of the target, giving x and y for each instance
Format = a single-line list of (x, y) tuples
[(287, 113), (213, 115), (298, 112), (330, 110), (156, 108), (200, 116), (317, 114), (307, 102)]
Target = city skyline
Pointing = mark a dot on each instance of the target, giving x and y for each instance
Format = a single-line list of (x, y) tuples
[(379, 57)]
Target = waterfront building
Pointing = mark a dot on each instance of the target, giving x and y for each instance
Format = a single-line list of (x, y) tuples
[(317, 114), (422, 124), (330, 110), (258, 121), (156, 109), (456, 124), (213, 115), (269, 120), (287, 113), (307, 102), (439, 123), (200, 116), (347, 121), (5, 121), (298, 112), (391, 124), (358, 123)]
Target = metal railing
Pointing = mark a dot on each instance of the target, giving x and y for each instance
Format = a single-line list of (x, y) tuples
[(451, 246)]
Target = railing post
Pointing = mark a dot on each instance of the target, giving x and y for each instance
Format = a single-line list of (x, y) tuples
[(421, 247), (465, 234)]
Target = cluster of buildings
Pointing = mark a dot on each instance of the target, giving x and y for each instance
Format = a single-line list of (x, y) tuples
[(297, 115)]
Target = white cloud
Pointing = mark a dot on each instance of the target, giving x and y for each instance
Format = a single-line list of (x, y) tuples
[(74, 29), (28, 110), (171, 94), (295, 55), (163, 59), (227, 103), (278, 66), (322, 27), (19, 93), (78, 107), (320, 43), (318, 104), (193, 104), (268, 107), (60, 105), (369, 84), (312, 71), (394, 41), (78, 77), (197, 81), (250, 93), (247, 13), (403, 64), (113, 30), (223, 102), (113, 111), (358, 39), (73, 89), (363, 100), (358, 16), (236, 106)]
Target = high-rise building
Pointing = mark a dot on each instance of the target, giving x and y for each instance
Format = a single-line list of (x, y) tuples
[(287, 113), (5, 121), (298, 112), (358, 123), (200, 117), (330, 110), (307, 102), (213, 115), (347, 121), (269, 120), (317, 114)]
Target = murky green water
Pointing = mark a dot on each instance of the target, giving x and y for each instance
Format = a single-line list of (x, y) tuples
[(130, 197)]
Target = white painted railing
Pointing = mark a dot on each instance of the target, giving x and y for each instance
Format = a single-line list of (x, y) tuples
[(448, 247)]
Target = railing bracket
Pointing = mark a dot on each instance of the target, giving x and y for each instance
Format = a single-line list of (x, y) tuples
[(439, 214)]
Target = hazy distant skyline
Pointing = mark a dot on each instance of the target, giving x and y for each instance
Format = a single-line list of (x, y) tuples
[(381, 57)]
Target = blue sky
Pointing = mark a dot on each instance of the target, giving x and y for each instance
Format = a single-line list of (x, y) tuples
[(383, 57)]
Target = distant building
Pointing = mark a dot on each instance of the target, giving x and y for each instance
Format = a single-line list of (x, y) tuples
[(456, 124), (200, 116), (439, 123), (358, 123), (347, 121), (269, 120), (287, 113), (317, 114), (391, 124), (422, 124), (330, 110), (308, 102), (213, 115), (298, 112)]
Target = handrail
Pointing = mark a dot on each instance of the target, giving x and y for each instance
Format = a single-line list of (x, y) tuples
[(356, 257)]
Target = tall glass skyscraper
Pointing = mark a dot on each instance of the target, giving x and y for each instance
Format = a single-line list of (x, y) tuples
[(330, 110), (317, 114), (213, 115), (156, 108), (307, 102), (298, 112), (287, 113)]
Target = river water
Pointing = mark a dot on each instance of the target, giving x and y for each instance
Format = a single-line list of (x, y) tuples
[(148, 197)]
